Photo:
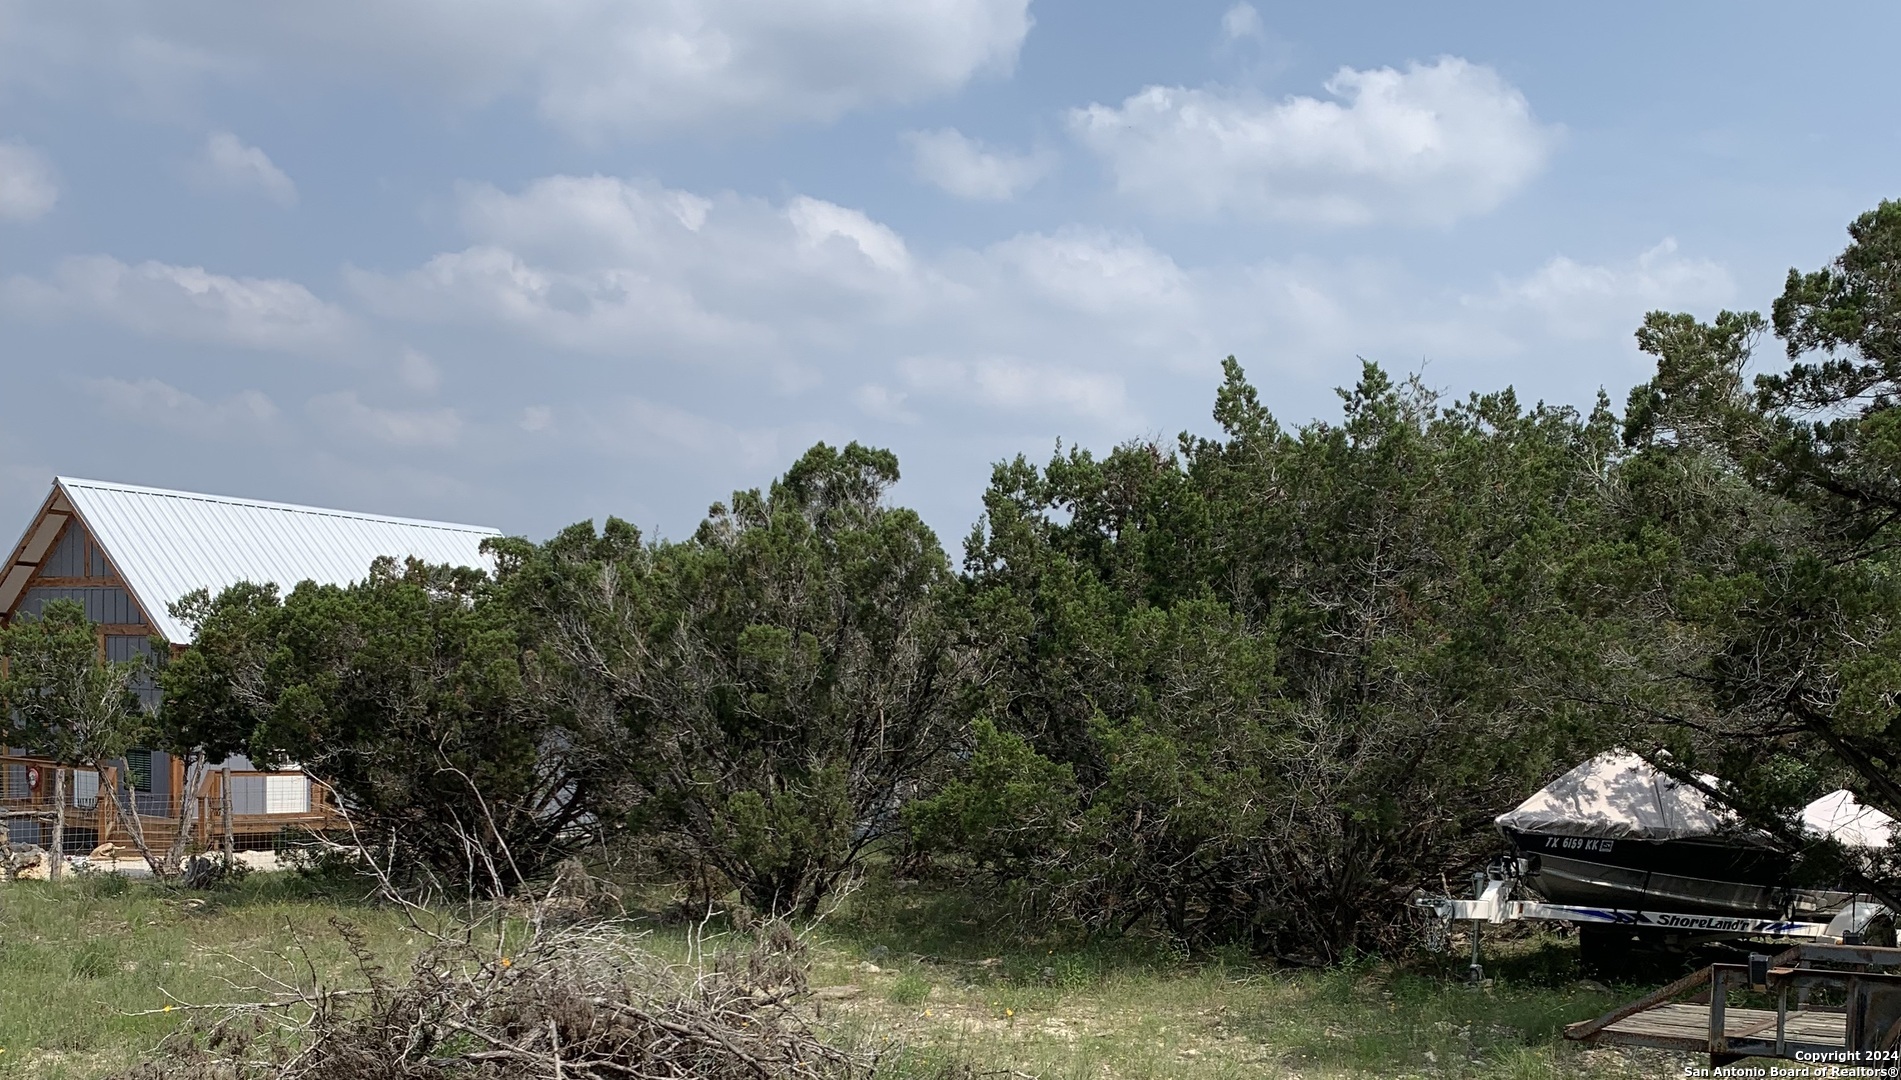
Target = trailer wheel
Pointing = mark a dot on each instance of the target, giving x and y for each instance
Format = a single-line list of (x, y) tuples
[(1605, 953)]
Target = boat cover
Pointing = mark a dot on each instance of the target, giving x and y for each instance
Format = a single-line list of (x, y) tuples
[(1618, 795), (1839, 816)]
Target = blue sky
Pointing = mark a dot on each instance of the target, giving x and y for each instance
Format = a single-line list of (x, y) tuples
[(531, 262)]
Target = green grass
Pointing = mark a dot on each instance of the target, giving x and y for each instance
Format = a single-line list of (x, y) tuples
[(76, 960), (942, 979), (956, 982)]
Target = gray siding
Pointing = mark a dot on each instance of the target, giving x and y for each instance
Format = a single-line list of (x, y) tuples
[(103, 605), (68, 557), (123, 647)]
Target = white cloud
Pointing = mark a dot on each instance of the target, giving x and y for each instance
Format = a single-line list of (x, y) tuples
[(347, 413), (1242, 21), (229, 164), (822, 225), (1072, 332), (1004, 383), (184, 303), (159, 404), (28, 187), (592, 67), (1096, 272), (1582, 301), (632, 270), (965, 168), (621, 268), (1430, 144)]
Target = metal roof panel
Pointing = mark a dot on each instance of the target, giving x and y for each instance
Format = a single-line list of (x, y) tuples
[(166, 544)]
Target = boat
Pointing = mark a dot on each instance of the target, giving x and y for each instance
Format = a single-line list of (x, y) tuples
[(1617, 833)]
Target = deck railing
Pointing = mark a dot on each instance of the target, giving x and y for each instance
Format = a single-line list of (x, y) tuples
[(243, 805)]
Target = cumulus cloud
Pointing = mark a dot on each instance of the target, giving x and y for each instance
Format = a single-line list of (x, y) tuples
[(628, 268), (28, 187), (347, 413), (227, 163), (186, 303), (804, 288), (1583, 301), (593, 67), (687, 297), (967, 169), (1430, 144), (161, 405)]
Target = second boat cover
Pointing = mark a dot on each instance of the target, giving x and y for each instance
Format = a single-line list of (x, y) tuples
[(1618, 795), (1839, 816)]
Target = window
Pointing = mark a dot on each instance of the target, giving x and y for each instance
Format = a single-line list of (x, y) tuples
[(287, 794), (138, 770)]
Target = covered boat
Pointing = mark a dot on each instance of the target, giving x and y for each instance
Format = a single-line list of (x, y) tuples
[(1617, 833)]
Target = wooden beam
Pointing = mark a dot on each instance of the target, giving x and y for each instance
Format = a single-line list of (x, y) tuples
[(48, 581), (1584, 1029)]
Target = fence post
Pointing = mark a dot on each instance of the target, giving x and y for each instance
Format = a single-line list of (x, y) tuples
[(56, 858)]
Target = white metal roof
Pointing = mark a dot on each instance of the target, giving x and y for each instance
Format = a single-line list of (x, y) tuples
[(166, 544)]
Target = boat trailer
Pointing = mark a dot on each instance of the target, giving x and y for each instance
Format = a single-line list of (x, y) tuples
[(1492, 904), (1853, 1030)]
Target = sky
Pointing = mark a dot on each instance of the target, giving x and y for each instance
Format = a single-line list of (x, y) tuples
[(526, 262)]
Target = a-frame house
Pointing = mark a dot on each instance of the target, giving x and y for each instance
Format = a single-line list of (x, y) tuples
[(128, 553)]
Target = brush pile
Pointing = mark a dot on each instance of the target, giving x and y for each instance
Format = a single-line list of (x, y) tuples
[(528, 1000)]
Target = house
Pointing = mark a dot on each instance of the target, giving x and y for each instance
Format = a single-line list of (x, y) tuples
[(127, 554)]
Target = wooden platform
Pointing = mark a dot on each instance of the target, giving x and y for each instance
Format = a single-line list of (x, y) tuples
[(1867, 1026), (1687, 1027)]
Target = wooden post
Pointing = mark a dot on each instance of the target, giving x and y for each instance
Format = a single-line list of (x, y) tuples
[(56, 858)]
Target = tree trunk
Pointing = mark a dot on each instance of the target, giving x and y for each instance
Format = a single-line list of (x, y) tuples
[(8, 872), (56, 858), (230, 838), (133, 826), (187, 813)]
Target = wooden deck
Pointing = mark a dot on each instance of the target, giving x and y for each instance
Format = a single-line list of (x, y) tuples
[(27, 794), (1687, 1027)]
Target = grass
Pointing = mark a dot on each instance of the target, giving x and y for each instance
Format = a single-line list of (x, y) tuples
[(76, 961), (928, 976), (952, 984)]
